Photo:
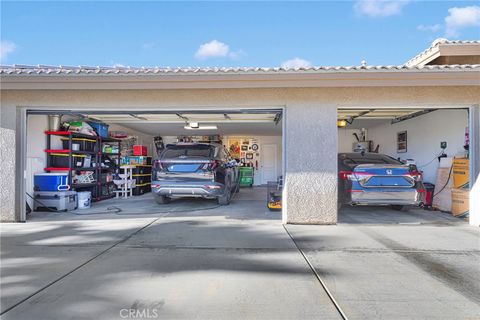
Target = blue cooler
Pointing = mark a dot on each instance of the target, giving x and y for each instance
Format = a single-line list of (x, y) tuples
[(51, 182)]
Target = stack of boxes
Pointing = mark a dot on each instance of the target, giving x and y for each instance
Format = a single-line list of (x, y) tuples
[(442, 199), (452, 187), (460, 190)]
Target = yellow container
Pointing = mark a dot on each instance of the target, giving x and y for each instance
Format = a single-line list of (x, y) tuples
[(460, 202), (461, 173)]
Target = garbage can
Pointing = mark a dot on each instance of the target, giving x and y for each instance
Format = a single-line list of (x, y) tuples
[(246, 176)]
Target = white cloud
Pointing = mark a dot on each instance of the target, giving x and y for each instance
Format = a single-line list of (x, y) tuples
[(459, 18), (148, 45), (212, 49), (236, 55), (6, 48), (429, 28), (380, 8), (296, 63)]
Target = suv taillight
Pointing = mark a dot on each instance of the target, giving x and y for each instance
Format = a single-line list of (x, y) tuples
[(212, 165), (157, 164)]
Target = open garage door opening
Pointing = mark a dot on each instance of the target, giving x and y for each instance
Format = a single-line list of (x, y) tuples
[(403, 165), (203, 162)]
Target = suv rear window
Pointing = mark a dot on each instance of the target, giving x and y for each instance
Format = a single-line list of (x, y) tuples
[(196, 150)]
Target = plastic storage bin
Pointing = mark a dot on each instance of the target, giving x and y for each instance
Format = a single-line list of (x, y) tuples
[(100, 128), (142, 189), (51, 182), (142, 178), (142, 169), (61, 160), (56, 200), (139, 150), (136, 160), (83, 144)]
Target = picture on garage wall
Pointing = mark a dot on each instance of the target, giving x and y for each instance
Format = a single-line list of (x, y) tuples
[(234, 148), (402, 142)]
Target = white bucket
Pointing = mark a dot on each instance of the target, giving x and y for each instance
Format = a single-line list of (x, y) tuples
[(84, 199)]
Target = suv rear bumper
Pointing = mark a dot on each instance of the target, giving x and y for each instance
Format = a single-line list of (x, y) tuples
[(191, 189)]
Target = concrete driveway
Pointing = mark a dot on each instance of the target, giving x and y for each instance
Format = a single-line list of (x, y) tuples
[(235, 263)]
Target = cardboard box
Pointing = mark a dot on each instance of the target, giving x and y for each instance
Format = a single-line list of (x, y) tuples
[(460, 202), (445, 162), (461, 173), (442, 199)]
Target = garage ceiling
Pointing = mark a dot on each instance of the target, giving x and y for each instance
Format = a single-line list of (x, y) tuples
[(240, 129), (360, 118), (228, 123), (385, 114)]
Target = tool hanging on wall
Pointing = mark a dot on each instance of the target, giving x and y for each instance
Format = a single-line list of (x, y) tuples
[(159, 145)]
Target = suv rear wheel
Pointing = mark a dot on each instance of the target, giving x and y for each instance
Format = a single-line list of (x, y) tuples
[(162, 199), (224, 199), (400, 207)]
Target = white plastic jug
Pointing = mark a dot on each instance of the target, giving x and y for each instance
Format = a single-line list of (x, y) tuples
[(84, 199)]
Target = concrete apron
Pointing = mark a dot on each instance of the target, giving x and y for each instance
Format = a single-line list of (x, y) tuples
[(186, 265), (397, 271)]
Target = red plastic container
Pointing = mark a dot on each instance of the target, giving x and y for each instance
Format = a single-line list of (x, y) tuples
[(428, 194), (139, 150)]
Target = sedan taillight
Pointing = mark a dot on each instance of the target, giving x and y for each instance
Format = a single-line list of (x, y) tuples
[(344, 174), (416, 175), (354, 176)]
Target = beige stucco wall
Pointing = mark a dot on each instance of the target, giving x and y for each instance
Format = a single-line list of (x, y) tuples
[(301, 101)]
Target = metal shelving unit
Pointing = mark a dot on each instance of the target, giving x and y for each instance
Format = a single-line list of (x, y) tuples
[(101, 170), (97, 158)]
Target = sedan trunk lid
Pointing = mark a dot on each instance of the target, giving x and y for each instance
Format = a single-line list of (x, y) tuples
[(388, 175)]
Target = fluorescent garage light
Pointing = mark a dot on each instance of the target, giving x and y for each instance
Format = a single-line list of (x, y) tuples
[(196, 126)]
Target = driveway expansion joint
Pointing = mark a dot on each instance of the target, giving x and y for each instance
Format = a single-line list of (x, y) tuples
[(79, 267)]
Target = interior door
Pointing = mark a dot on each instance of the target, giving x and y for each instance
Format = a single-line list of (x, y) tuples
[(269, 163)]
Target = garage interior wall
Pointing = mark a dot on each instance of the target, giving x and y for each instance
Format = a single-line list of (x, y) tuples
[(262, 140), (424, 134), (346, 139), (142, 138)]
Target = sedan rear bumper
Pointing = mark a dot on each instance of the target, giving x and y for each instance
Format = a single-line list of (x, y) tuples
[(188, 189), (406, 197)]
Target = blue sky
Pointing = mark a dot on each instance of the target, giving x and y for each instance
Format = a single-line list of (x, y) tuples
[(229, 33)]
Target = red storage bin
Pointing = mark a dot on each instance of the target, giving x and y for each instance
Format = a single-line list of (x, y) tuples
[(139, 150)]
